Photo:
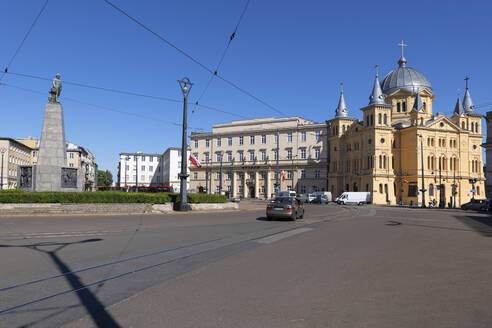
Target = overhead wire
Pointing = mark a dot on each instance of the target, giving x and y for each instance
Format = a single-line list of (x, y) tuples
[(23, 40), (160, 37), (126, 92), (100, 106), (232, 36)]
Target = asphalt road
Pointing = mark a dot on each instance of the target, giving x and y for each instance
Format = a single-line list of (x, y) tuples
[(341, 266)]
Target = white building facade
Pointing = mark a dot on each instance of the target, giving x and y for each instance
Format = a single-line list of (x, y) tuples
[(150, 169)]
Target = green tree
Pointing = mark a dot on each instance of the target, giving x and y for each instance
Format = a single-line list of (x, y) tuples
[(104, 178)]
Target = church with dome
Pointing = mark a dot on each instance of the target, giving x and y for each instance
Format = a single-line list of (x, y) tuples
[(404, 152)]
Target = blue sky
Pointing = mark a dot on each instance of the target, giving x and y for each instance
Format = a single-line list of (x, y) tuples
[(292, 54)]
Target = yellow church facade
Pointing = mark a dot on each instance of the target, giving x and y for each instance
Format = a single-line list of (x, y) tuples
[(401, 151)]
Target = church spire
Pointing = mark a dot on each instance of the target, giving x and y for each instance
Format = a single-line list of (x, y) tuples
[(342, 110), (458, 109), (418, 104), (402, 62), (467, 102), (376, 97)]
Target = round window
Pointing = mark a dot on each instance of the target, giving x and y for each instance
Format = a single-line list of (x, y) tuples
[(382, 140), (441, 124), (474, 146)]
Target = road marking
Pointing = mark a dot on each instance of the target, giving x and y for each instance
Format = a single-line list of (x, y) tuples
[(282, 235)]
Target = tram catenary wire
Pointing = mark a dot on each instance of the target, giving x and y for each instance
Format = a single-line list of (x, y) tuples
[(23, 40), (148, 29)]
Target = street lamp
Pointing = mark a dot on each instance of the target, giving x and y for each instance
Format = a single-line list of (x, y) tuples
[(422, 163), (185, 85), (2, 150)]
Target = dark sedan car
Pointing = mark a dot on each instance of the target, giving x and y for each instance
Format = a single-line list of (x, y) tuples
[(285, 208), (476, 204)]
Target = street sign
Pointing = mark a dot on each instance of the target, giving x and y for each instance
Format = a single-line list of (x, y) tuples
[(473, 190)]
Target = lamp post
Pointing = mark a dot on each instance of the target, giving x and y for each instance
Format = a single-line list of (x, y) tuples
[(2, 150), (422, 163), (185, 85)]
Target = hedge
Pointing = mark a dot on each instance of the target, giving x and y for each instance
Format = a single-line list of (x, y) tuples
[(104, 197)]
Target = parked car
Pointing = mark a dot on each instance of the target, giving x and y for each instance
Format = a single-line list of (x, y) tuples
[(303, 198), (476, 205), (354, 197), (285, 208), (327, 194), (321, 199), (288, 193)]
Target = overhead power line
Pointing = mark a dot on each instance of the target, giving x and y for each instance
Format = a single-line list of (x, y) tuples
[(100, 106), (23, 40), (160, 37), (125, 92), (233, 35)]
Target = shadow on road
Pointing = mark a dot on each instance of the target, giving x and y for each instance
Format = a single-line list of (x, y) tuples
[(88, 299), (480, 224)]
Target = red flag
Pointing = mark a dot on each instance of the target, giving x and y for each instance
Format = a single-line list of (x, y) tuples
[(283, 176), (195, 161)]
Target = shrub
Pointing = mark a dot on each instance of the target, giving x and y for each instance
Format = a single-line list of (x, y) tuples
[(18, 196), (87, 197), (11, 191), (204, 198)]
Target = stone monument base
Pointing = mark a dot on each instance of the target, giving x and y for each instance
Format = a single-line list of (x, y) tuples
[(50, 178)]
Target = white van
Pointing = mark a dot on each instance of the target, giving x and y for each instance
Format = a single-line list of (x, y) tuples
[(289, 193), (353, 197)]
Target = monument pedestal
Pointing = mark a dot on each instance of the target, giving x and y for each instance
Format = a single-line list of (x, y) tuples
[(51, 173)]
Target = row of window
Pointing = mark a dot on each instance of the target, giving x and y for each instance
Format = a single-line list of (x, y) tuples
[(288, 175), (142, 178), (143, 168), (252, 139), (303, 152), (474, 126), (142, 158)]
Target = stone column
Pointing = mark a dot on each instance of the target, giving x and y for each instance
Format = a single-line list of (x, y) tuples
[(267, 184), (234, 184), (245, 186), (257, 185)]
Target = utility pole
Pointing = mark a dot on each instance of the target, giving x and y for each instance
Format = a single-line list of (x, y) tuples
[(422, 163), (2, 150), (277, 184), (185, 85)]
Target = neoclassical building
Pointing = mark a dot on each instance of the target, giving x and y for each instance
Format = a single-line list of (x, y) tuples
[(243, 157), (399, 148)]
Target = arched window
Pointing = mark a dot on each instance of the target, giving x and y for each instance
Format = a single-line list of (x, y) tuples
[(385, 119), (343, 128), (463, 125), (384, 161), (392, 162), (421, 121), (398, 107), (372, 120), (380, 118), (403, 106), (336, 130), (428, 163), (476, 127), (478, 190), (380, 161), (386, 189), (431, 190), (380, 188)]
